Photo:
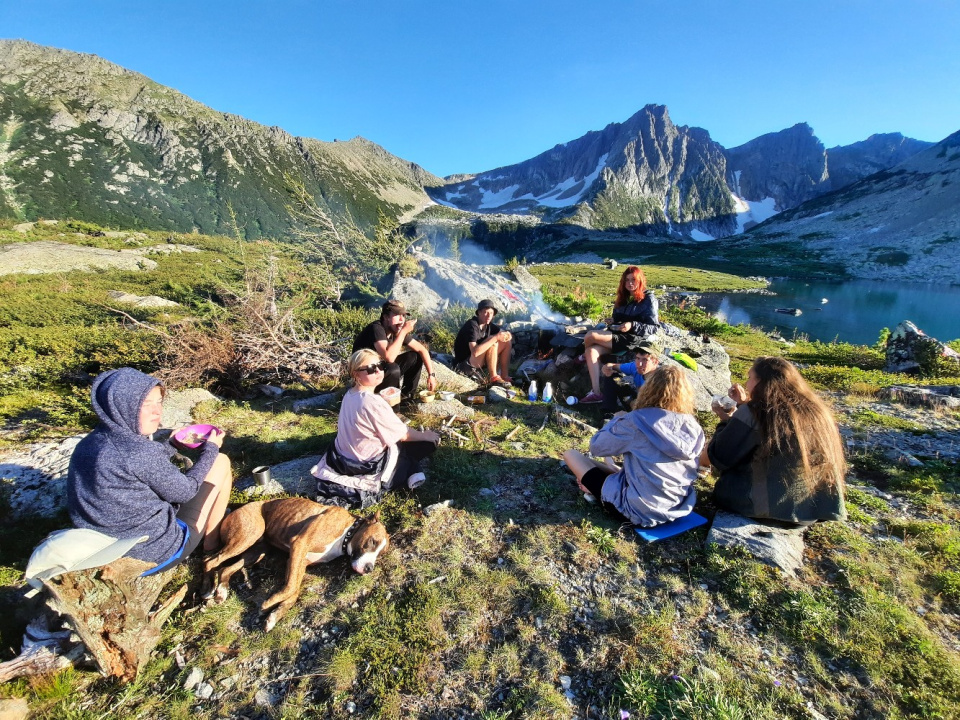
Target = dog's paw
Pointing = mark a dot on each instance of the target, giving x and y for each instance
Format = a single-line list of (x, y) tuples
[(221, 593), (271, 621)]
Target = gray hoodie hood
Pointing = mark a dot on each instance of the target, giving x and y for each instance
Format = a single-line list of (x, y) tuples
[(675, 435), (118, 395)]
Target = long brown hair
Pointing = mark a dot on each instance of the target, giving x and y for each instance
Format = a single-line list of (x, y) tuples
[(793, 418), (640, 292), (667, 388)]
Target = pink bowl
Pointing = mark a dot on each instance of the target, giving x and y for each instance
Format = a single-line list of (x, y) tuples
[(193, 436)]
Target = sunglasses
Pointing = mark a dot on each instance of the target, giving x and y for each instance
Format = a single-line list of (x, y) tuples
[(371, 369)]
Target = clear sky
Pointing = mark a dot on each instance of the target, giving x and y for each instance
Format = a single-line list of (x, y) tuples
[(465, 86)]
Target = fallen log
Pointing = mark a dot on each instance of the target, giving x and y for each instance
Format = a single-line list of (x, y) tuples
[(111, 609)]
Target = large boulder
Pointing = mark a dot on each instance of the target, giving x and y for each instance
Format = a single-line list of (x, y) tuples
[(467, 285), (910, 350), (712, 376), (448, 379), (416, 295)]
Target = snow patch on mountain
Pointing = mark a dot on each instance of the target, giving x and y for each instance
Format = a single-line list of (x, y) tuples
[(752, 212), (701, 236)]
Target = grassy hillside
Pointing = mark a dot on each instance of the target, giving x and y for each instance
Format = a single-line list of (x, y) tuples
[(83, 138), (493, 607)]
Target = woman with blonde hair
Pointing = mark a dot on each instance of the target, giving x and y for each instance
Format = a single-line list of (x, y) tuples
[(635, 316), (779, 452), (660, 441), (374, 451)]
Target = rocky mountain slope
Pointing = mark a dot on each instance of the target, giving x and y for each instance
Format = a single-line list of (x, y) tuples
[(83, 138), (663, 179), (900, 224)]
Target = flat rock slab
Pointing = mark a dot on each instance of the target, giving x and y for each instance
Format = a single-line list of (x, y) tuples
[(46, 256), (147, 301), (178, 406), (444, 409), (780, 547), (448, 379), (292, 477)]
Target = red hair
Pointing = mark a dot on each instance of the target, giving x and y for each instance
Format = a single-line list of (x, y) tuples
[(623, 296)]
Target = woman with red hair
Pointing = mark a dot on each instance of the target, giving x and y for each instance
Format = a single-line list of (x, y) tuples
[(635, 316)]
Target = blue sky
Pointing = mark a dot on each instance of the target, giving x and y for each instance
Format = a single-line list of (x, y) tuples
[(470, 86)]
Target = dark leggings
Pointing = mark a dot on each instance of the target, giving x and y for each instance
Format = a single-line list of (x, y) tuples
[(408, 366), (408, 461), (593, 481)]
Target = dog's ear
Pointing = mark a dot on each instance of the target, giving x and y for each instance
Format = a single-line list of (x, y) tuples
[(376, 516)]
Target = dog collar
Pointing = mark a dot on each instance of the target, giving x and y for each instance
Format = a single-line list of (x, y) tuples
[(351, 531)]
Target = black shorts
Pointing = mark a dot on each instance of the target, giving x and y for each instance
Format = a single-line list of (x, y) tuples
[(593, 481), (624, 342)]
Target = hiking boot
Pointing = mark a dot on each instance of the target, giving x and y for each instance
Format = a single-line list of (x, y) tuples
[(591, 398)]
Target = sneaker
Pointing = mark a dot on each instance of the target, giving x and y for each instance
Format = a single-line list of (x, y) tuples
[(591, 398), (416, 480), (502, 382)]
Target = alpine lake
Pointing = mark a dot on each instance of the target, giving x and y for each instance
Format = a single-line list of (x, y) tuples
[(851, 311)]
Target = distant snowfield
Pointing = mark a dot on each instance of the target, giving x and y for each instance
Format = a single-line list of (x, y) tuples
[(700, 236), (564, 194), (750, 210), (753, 211)]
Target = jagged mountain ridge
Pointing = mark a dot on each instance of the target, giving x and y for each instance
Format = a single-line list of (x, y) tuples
[(650, 174), (81, 137), (645, 171), (900, 224)]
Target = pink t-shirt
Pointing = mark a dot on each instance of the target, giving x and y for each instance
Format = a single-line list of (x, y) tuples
[(367, 424)]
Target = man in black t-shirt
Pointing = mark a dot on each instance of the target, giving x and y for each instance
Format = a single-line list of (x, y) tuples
[(403, 357), (480, 344)]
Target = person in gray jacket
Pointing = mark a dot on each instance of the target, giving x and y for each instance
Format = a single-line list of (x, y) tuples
[(123, 484), (660, 441)]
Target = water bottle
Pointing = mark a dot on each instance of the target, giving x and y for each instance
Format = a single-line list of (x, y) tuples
[(547, 392), (532, 391)]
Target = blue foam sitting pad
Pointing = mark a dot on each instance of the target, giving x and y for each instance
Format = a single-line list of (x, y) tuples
[(687, 522)]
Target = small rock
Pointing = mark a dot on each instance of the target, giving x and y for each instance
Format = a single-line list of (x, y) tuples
[(497, 394), (431, 509), (264, 698), (204, 691), (351, 707), (194, 678), (565, 682), (270, 390)]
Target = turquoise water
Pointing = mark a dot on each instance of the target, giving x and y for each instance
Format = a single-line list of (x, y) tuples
[(855, 310)]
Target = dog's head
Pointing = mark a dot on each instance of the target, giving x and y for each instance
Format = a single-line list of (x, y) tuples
[(367, 543)]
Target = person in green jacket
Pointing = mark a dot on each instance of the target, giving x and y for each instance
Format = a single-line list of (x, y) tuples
[(779, 451)]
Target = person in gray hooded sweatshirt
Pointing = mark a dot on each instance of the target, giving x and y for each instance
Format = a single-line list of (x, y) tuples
[(660, 441), (123, 484)]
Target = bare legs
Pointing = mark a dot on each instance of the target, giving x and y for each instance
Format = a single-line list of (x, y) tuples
[(580, 464), (215, 504), (596, 343), (496, 359)]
